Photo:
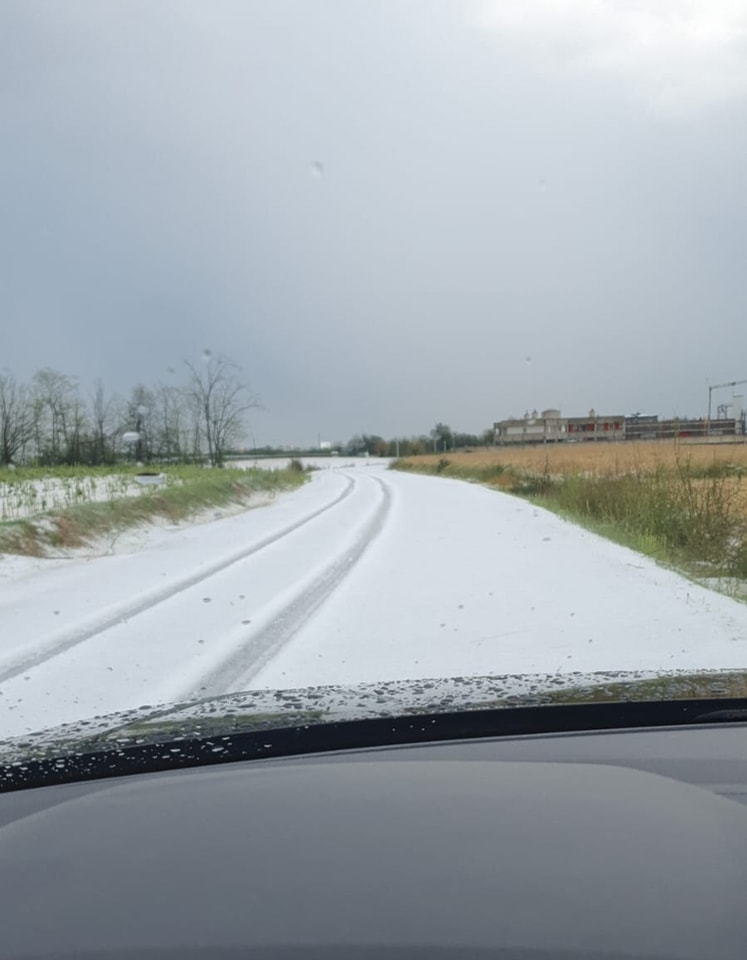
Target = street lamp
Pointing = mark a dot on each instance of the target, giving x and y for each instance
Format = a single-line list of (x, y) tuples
[(141, 411), (130, 438)]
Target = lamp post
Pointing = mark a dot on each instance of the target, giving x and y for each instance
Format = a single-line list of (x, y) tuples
[(131, 438), (141, 411)]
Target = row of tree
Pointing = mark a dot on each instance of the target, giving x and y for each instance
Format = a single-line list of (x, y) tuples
[(440, 438), (50, 421)]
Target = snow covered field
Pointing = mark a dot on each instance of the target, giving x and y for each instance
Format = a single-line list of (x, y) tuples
[(20, 499), (28, 498), (361, 575)]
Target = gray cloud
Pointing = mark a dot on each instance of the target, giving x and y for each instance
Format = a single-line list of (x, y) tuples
[(380, 210)]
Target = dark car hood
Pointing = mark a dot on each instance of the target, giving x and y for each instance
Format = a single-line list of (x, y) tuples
[(315, 706)]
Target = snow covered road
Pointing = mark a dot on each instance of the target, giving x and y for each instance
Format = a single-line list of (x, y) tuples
[(361, 575)]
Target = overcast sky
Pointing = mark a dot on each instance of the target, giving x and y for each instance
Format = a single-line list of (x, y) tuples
[(389, 213)]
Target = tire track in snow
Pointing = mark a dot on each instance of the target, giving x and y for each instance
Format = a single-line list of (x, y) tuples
[(241, 666), (73, 636)]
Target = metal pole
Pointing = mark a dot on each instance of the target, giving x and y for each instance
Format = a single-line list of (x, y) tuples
[(139, 431)]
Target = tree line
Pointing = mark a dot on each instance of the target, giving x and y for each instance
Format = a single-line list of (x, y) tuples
[(49, 421), (440, 439)]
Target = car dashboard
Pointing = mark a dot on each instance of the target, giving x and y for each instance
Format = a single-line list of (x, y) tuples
[(614, 844)]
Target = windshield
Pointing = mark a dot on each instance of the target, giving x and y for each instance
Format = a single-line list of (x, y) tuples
[(370, 354)]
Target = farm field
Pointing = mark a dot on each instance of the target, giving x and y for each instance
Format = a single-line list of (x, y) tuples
[(607, 459), (27, 493)]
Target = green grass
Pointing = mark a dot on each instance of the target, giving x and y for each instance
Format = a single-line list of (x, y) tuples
[(17, 475), (477, 473), (187, 491), (687, 521)]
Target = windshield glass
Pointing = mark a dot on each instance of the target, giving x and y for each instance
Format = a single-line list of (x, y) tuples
[(394, 349)]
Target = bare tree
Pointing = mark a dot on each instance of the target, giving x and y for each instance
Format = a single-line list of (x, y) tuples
[(171, 422), (140, 416), (105, 413), (220, 400), (59, 417), (16, 420), (49, 421)]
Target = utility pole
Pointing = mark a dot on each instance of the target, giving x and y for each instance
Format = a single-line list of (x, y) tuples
[(718, 386)]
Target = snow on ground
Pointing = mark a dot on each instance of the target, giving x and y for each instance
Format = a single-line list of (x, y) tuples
[(20, 499), (316, 463), (27, 498), (362, 575)]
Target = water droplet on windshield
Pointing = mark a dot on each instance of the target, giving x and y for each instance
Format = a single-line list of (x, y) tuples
[(317, 169), (527, 359), (206, 599)]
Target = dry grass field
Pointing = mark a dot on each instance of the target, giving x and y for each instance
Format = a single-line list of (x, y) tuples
[(600, 459)]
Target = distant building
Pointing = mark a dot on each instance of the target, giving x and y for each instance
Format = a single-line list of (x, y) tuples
[(641, 427), (550, 427), (652, 428), (596, 427), (531, 428)]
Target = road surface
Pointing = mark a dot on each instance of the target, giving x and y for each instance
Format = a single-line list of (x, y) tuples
[(363, 574)]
